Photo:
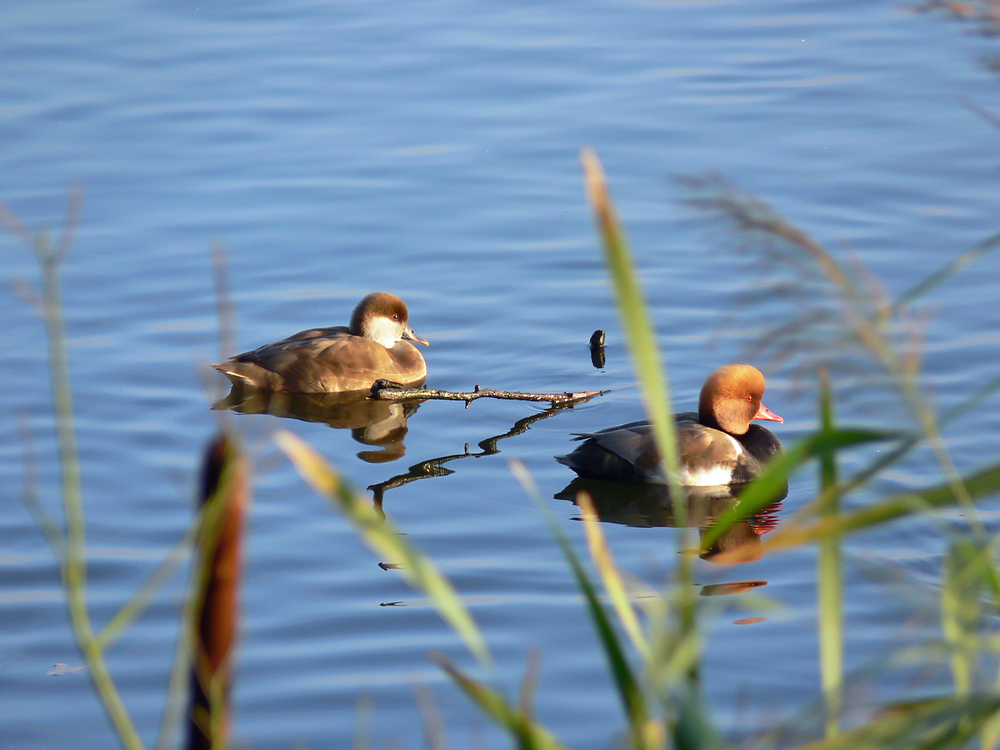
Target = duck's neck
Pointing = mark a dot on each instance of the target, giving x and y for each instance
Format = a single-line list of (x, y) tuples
[(707, 418), (732, 425)]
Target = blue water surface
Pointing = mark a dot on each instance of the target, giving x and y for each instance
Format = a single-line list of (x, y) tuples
[(432, 150)]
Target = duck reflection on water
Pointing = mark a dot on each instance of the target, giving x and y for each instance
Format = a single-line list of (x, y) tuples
[(646, 505), (379, 424)]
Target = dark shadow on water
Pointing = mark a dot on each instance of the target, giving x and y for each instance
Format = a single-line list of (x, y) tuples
[(379, 424)]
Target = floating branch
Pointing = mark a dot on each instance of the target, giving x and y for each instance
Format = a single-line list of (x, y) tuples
[(383, 390)]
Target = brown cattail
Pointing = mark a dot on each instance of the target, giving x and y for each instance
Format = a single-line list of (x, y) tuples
[(225, 495)]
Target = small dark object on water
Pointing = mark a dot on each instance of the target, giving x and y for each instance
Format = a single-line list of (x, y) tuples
[(597, 358)]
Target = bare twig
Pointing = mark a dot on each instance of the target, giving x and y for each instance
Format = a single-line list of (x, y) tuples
[(72, 561), (227, 316), (71, 223), (32, 502), (383, 390), (12, 223)]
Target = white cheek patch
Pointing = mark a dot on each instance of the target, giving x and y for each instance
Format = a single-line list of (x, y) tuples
[(384, 331)]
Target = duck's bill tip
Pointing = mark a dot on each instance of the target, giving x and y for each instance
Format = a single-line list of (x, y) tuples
[(764, 413), (409, 334)]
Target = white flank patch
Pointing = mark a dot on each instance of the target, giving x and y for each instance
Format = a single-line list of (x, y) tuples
[(707, 477), (711, 476)]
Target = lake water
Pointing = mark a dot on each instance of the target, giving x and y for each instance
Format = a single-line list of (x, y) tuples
[(432, 150)]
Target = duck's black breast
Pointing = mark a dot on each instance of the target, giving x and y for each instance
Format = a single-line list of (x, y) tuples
[(761, 443), (759, 446)]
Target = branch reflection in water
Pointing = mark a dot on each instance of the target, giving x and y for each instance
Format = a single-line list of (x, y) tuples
[(434, 467), (371, 422)]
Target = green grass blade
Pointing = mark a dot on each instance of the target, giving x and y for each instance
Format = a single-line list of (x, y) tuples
[(382, 538), (772, 482), (614, 584), (829, 582), (950, 269), (73, 563), (633, 700), (983, 483), (670, 647), (904, 445), (964, 575), (530, 735), (635, 319), (920, 725)]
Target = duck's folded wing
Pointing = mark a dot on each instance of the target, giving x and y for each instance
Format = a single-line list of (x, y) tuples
[(289, 364), (707, 457), (618, 454)]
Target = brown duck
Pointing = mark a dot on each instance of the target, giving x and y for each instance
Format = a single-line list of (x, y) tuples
[(337, 359)]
